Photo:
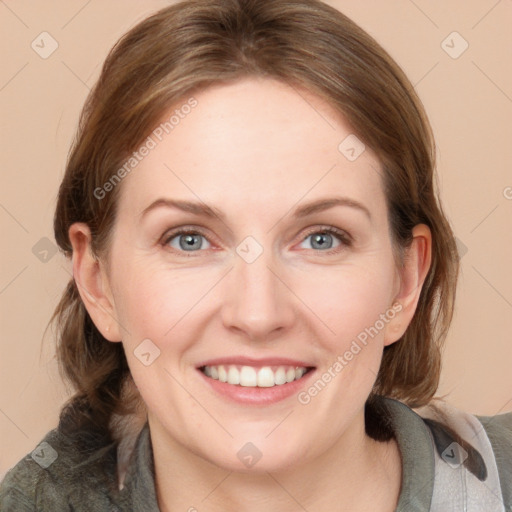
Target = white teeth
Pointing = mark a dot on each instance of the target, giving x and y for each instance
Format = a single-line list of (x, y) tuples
[(223, 374), (248, 376), (280, 376), (265, 377), (233, 375)]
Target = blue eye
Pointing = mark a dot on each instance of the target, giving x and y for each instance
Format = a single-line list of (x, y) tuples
[(324, 239), (188, 241), (321, 241)]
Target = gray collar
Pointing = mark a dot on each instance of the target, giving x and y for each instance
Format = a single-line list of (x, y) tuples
[(415, 444), (139, 494)]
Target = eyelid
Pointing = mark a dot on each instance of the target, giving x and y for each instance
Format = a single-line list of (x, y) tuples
[(187, 229), (340, 233)]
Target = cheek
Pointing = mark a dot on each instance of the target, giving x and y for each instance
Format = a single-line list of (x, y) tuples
[(349, 301), (154, 302), (164, 306)]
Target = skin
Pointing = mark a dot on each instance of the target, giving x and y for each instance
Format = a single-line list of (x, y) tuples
[(256, 150)]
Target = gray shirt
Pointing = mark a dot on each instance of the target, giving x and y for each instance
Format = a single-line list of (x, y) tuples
[(57, 477)]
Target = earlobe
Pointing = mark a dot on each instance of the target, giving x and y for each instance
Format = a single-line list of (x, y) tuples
[(416, 265), (92, 283)]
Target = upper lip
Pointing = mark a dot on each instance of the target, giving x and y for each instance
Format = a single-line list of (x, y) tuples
[(248, 361)]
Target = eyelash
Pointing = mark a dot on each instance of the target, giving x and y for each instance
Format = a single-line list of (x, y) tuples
[(345, 239)]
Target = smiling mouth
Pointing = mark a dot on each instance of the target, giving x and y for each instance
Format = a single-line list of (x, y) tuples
[(251, 377)]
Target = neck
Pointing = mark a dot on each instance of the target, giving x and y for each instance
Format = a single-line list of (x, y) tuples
[(356, 473)]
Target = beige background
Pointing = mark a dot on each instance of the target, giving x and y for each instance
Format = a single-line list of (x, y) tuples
[(469, 101)]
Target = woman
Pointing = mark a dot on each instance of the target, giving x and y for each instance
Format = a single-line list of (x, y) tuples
[(262, 280)]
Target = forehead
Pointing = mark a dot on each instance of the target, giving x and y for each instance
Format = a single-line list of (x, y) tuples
[(257, 141)]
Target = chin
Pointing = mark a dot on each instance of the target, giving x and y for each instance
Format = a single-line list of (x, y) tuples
[(256, 455)]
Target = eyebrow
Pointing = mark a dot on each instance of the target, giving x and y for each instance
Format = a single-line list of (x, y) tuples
[(202, 209)]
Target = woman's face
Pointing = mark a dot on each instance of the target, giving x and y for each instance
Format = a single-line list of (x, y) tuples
[(258, 283)]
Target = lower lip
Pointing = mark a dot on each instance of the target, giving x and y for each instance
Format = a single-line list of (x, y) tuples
[(258, 396)]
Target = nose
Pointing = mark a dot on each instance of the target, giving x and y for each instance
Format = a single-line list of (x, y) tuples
[(257, 300)]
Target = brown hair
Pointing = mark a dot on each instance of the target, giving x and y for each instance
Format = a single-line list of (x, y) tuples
[(187, 47)]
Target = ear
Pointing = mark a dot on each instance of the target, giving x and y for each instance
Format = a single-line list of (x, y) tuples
[(417, 260), (92, 282)]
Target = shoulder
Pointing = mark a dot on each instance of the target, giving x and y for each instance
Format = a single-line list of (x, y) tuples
[(23, 484), (482, 443), (462, 460), (499, 431), (60, 475)]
